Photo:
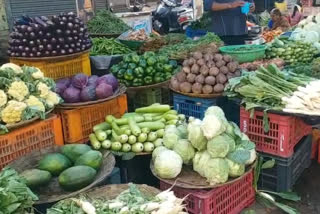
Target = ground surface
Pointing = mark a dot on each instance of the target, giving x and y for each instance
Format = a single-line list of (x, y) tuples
[(307, 187)]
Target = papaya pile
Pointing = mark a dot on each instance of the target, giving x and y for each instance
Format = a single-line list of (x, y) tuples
[(75, 166)]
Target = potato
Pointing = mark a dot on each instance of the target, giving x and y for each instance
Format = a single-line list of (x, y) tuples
[(217, 57), (197, 88), (210, 80), (185, 63), (195, 69), (218, 88), (232, 66), (186, 69), (208, 57), (224, 69), (191, 61), (207, 89), (211, 64), (221, 78), (191, 78), (214, 71), (227, 58), (181, 76), (237, 73), (185, 87), (201, 62), (230, 75), (197, 55), (200, 79), (204, 70), (220, 63), (174, 83)]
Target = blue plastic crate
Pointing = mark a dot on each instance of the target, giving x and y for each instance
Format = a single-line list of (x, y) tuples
[(191, 33), (193, 106)]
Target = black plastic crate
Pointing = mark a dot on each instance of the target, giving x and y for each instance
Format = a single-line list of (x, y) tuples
[(231, 109), (286, 171)]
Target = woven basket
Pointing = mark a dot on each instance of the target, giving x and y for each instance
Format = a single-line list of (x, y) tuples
[(53, 192)]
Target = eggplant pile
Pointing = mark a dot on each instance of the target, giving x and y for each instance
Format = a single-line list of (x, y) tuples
[(45, 37)]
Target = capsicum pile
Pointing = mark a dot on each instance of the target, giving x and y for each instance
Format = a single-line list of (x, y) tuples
[(147, 69)]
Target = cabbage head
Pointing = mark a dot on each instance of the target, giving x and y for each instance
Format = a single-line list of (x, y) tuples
[(217, 111), (183, 132), (185, 150), (217, 171), (168, 164), (200, 161), (171, 136), (157, 151), (195, 135), (212, 126), (235, 169), (220, 146)]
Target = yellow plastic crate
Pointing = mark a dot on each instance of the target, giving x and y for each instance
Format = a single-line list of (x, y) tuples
[(58, 67)]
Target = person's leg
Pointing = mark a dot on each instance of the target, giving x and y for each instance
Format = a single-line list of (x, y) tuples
[(233, 40)]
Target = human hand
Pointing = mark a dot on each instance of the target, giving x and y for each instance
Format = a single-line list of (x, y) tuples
[(252, 7), (237, 4)]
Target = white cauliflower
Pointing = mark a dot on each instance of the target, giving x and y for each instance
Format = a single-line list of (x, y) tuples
[(12, 113), (34, 102), (43, 89), (16, 68), (18, 90), (52, 99), (38, 74), (3, 98)]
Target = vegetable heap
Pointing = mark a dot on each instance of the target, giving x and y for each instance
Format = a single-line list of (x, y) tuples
[(141, 131), (215, 147), (269, 36), (146, 69), (138, 35), (15, 196), (81, 88), (24, 94), (104, 46), (156, 42), (44, 37), (252, 66), (76, 167), (105, 22), (181, 50), (309, 69), (129, 201), (269, 88), (205, 72), (292, 52)]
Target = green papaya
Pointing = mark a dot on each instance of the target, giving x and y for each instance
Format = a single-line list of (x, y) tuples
[(54, 163), (77, 177), (74, 151), (91, 158), (36, 177)]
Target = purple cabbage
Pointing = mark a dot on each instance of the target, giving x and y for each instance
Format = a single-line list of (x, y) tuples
[(71, 95), (80, 81), (60, 87), (110, 80), (93, 80), (103, 90), (88, 94), (64, 81)]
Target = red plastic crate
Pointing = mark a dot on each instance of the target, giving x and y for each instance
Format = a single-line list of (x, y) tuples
[(228, 199), (284, 132)]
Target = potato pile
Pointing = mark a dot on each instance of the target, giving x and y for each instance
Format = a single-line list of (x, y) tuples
[(205, 72)]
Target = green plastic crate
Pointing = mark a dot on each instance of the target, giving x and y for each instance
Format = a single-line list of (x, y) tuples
[(148, 97), (242, 56)]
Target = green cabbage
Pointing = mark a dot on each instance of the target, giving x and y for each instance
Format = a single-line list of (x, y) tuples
[(171, 136), (168, 164), (200, 161), (220, 146), (195, 135), (183, 132), (212, 126), (217, 111), (157, 151), (235, 169), (217, 171), (185, 150)]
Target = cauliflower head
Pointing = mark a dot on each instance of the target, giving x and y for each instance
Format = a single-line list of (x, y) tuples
[(16, 68), (38, 74), (18, 90), (52, 99), (43, 89), (34, 102), (12, 113), (3, 98)]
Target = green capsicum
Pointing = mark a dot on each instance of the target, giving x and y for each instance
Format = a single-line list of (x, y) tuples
[(167, 75), (168, 68), (159, 67), (158, 79), (135, 58), (137, 82), (151, 61), (132, 66), (128, 75), (143, 63), (127, 58), (148, 54), (114, 69), (150, 71), (138, 72), (120, 74), (148, 80), (127, 83), (173, 63), (163, 59)]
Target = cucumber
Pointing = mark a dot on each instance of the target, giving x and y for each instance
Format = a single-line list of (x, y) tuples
[(116, 128), (106, 144), (102, 126), (94, 142), (109, 119), (123, 138), (153, 109), (154, 126), (132, 139), (124, 121), (152, 136), (101, 135), (135, 129)]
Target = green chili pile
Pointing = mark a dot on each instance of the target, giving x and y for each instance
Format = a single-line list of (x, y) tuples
[(104, 46)]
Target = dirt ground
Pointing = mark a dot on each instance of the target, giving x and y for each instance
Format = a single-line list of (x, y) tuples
[(307, 187)]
